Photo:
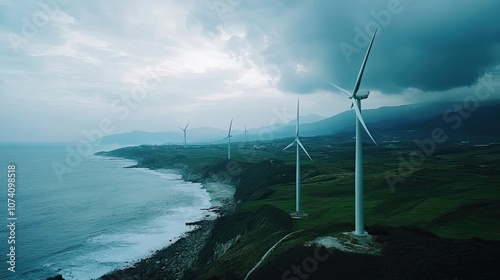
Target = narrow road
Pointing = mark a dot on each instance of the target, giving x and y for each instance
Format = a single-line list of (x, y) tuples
[(268, 252)]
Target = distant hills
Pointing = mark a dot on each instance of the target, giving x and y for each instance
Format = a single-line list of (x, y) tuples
[(200, 135), (196, 135), (421, 117), (311, 118)]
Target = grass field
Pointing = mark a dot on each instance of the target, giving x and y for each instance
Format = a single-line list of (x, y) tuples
[(455, 192)]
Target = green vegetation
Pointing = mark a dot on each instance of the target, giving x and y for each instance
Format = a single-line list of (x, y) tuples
[(452, 193)]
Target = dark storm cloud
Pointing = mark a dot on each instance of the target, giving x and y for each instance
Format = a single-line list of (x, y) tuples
[(429, 45)]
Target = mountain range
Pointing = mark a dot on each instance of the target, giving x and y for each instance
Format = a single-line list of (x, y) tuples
[(420, 117)]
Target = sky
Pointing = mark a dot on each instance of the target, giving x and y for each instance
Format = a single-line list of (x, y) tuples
[(70, 66)]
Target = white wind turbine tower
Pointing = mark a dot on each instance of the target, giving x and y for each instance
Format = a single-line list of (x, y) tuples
[(298, 214), (184, 131), (358, 180), (229, 140)]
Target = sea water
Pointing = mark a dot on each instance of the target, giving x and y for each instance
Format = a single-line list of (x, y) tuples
[(99, 217)]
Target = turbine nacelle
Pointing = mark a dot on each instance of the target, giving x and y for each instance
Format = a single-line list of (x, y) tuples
[(361, 95), (184, 129), (297, 140)]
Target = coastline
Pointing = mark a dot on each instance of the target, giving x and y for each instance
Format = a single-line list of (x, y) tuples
[(238, 240), (173, 261), (168, 263)]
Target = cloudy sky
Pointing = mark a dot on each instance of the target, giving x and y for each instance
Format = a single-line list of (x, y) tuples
[(68, 66)]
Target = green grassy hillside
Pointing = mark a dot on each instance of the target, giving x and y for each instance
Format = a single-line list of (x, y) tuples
[(452, 192)]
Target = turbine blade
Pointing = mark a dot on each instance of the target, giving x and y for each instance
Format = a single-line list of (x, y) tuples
[(362, 69), (360, 118), (340, 88), (297, 124), (230, 124), (291, 144), (186, 126), (302, 146), (180, 128)]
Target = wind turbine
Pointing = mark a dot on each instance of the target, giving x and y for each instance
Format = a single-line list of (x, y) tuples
[(245, 132), (358, 179), (184, 131), (229, 140), (298, 213)]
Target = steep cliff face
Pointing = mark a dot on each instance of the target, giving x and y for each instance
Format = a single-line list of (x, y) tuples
[(230, 229), (240, 237), (221, 248)]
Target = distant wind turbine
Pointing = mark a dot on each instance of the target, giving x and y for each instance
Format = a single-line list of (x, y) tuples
[(298, 213), (229, 140), (245, 132), (184, 131), (358, 181)]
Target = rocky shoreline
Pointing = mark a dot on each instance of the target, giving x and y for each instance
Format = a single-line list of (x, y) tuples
[(171, 262), (168, 263)]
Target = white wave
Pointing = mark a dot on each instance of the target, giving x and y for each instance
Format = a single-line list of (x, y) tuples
[(107, 252)]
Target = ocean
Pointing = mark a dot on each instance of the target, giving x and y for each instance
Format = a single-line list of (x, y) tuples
[(100, 217)]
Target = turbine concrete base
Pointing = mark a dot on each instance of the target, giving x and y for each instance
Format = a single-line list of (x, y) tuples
[(365, 238), (347, 242), (360, 235), (298, 216)]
